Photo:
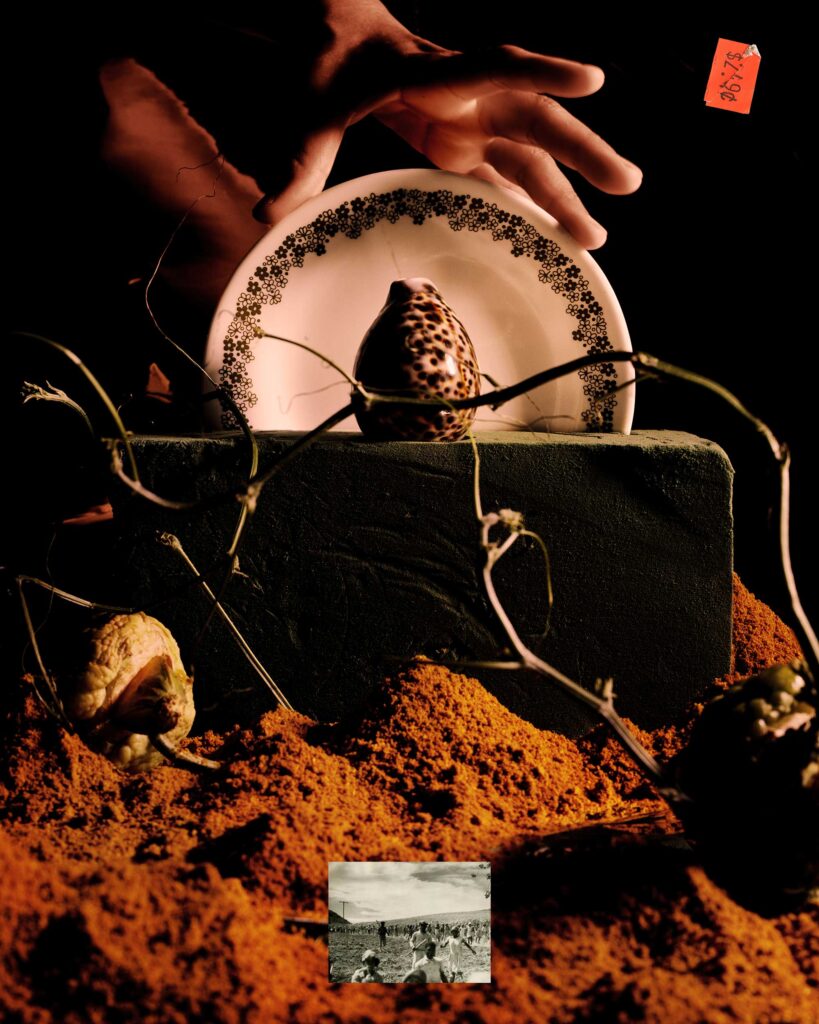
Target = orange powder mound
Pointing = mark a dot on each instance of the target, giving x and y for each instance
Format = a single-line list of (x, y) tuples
[(760, 637), (458, 760), (165, 897)]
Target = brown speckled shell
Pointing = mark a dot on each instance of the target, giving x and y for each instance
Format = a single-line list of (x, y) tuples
[(417, 345)]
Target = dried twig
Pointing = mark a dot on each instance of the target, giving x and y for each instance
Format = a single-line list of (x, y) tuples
[(494, 551), (100, 390), (174, 543), (35, 392)]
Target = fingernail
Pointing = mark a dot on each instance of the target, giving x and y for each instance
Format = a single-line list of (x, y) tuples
[(602, 235), (598, 69)]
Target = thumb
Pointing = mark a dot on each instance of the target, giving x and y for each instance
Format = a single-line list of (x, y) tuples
[(304, 178)]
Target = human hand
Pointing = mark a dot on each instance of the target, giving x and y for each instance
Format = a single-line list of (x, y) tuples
[(482, 114)]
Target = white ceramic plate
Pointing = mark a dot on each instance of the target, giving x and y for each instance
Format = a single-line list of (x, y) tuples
[(529, 297)]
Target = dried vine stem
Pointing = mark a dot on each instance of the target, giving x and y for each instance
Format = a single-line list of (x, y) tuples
[(356, 384), (173, 542), (132, 480), (81, 602), (55, 705), (500, 396), (802, 626), (176, 755), (254, 488), (100, 390), (224, 395), (521, 531), (136, 486), (651, 366), (494, 551), (35, 392), (602, 703)]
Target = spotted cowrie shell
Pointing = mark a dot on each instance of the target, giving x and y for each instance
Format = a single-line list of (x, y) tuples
[(418, 347)]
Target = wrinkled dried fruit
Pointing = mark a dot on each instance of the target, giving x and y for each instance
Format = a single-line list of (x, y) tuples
[(132, 699), (751, 769)]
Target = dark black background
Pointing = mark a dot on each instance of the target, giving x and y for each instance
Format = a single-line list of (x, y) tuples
[(710, 259)]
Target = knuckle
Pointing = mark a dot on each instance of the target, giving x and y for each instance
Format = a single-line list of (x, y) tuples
[(546, 103), (528, 178), (539, 157), (582, 143)]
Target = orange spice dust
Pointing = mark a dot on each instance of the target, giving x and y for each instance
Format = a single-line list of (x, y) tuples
[(162, 898)]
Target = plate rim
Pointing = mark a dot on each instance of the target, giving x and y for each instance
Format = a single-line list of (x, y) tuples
[(409, 183)]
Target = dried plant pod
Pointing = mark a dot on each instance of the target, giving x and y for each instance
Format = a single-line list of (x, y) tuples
[(417, 346), (132, 699), (751, 769)]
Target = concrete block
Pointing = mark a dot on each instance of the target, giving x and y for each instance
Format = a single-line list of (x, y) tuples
[(362, 553)]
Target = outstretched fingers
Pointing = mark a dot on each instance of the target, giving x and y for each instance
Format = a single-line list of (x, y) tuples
[(538, 175), (480, 113), (480, 74), (486, 172), (540, 121)]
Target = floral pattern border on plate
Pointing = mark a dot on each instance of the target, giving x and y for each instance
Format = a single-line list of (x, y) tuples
[(461, 212)]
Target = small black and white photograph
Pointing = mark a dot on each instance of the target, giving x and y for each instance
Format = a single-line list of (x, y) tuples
[(422, 922)]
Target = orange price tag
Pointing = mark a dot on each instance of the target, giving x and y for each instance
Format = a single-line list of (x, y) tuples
[(733, 76)]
